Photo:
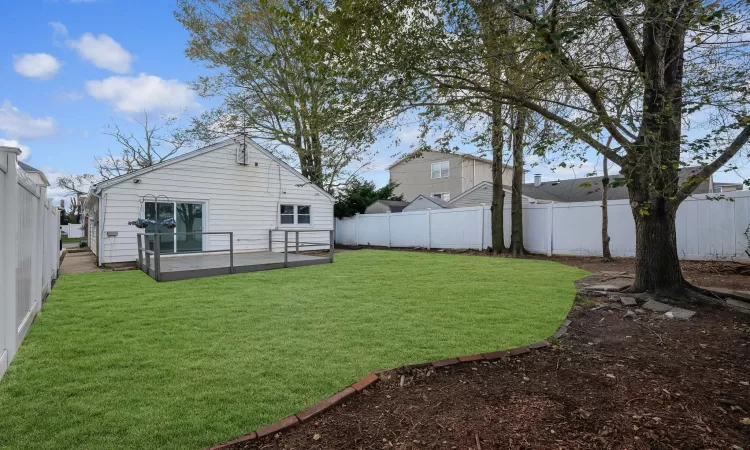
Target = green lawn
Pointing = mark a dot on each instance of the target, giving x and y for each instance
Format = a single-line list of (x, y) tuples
[(117, 360), (68, 240)]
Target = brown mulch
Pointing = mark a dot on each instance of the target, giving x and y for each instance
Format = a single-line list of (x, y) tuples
[(611, 382)]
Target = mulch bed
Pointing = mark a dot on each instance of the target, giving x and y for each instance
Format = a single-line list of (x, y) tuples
[(611, 382)]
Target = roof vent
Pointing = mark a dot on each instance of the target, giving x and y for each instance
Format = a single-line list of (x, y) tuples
[(537, 179)]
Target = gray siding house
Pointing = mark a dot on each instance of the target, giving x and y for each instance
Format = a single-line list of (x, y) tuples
[(441, 175)]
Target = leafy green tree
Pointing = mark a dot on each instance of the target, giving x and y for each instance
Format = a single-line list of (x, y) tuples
[(689, 59), (358, 194), (275, 86)]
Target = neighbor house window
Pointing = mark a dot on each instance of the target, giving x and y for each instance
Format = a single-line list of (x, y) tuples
[(444, 195), (441, 169), (294, 214)]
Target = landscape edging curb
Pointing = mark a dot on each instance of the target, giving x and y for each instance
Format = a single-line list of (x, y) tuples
[(359, 386)]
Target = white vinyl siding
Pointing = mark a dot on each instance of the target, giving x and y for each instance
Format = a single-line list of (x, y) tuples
[(242, 199)]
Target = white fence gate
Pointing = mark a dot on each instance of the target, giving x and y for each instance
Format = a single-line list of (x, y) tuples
[(72, 230), (29, 251), (707, 228)]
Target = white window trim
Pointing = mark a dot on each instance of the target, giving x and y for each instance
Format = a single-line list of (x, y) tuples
[(204, 220), (440, 169), (295, 215), (442, 195)]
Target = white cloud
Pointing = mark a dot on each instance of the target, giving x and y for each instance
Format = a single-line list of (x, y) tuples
[(103, 52), (59, 29), (21, 125), (69, 96), (36, 65), (25, 150), (143, 93)]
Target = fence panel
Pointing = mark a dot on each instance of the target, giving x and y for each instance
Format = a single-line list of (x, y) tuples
[(73, 230), (29, 251), (708, 227)]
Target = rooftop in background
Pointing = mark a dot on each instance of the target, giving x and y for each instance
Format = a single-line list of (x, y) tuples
[(29, 169), (573, 191)]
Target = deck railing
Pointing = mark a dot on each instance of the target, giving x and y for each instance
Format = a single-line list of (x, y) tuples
[(150, 259), (156, 252)]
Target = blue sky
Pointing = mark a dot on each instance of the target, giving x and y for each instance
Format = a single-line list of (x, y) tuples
[(70, 67)]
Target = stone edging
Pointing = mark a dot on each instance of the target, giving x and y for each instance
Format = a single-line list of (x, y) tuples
[(359, 386)]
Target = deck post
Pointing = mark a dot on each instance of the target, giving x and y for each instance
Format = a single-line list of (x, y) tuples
[(140, 255), (157, 255), (296, 246), (330, 251), (270, 240), (231, 252), (286, 246)]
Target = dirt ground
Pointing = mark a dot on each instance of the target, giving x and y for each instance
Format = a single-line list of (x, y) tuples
[(612, 382)]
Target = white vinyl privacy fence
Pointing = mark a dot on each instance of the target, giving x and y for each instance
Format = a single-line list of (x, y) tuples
[(29, 251), (72, 230), (707, 228)]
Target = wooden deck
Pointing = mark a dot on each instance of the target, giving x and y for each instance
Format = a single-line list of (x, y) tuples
[(183, 267)]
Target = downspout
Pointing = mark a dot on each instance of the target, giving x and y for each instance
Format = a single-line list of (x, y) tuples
[(99, 228)]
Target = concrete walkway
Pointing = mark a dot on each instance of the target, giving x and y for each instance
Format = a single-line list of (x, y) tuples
[(79, 261)]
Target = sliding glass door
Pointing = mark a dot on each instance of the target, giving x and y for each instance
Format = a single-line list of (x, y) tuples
[(189, 218)]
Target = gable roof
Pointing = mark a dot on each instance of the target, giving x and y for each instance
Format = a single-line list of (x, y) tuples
[(29, 169), (572, 191), (98, 187), (437, 201), (411, 156), (393, 205)]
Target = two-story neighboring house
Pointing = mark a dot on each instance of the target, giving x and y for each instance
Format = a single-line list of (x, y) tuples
[(442, 175)]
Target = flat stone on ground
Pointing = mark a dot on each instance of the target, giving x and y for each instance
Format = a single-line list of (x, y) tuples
[(603, 287), (681, 313), (745, 306), (653, 305), (628, 301)]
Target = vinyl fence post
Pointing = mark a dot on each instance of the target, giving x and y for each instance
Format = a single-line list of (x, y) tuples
[(550, 229), (481, 227), (9, 253), (356, 229), (389, 229), (429, 229)]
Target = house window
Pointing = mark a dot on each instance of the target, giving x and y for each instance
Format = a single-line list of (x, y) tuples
[(294, 214), (444, 195), (441, 169)]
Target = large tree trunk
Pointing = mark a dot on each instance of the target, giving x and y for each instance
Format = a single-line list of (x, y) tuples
[(657, 265), (498, 193), (516, 201), (653, 179)]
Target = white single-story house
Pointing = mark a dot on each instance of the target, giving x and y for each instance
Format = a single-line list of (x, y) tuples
[(231, 186)]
